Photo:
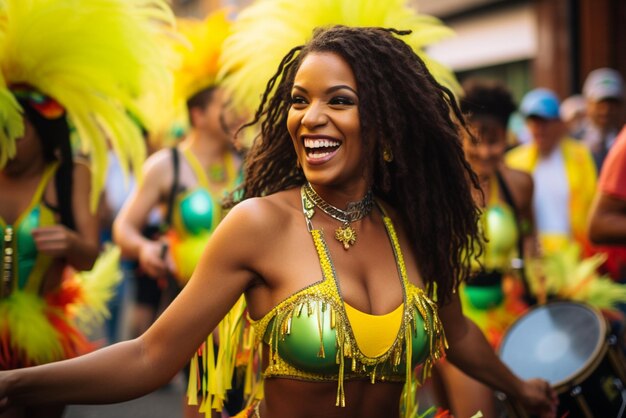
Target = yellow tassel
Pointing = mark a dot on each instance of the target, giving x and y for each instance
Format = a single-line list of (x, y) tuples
[(192, 385)]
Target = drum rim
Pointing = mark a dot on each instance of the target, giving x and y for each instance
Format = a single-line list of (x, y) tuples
[(594, 359)]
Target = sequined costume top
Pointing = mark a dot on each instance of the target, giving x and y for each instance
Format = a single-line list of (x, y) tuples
[(314, 335), (195, 215), (23, 266)]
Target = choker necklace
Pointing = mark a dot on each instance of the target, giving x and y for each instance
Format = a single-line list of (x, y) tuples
[(354, 212)]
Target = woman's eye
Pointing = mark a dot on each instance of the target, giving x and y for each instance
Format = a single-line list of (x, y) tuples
[(341, 100), (295, 100)]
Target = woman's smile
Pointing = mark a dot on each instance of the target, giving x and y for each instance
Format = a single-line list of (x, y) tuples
[(320, 148)]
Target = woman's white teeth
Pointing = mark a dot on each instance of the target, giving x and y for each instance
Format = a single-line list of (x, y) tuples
[(320, 143), (320, 154)]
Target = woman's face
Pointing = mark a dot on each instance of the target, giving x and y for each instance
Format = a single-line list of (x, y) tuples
[(487, 154), (218, 120), (28, 151), (323, 120)]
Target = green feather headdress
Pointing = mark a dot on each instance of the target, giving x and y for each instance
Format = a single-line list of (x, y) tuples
[(264, 32), (94, 57)]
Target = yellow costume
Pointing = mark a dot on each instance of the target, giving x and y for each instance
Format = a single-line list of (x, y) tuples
[(581, 177)]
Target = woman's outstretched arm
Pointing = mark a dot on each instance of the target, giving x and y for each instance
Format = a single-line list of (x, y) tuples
[(133, 368)]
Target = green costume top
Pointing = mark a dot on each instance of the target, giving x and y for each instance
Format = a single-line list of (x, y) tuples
[(23, 266), (195, 215), (314, 335), (499, 226)]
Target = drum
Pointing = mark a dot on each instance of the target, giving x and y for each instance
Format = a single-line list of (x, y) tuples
[(568, 344)]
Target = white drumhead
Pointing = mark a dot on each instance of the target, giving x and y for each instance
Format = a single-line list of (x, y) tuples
[(554, 342)]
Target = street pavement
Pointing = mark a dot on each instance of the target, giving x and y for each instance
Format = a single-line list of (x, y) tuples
[(163, 403)]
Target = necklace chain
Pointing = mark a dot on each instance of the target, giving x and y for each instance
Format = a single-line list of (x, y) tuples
[(354, 212)]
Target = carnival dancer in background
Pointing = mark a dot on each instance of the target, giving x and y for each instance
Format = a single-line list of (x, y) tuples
[(188, 181), (53, 94), (493, 297)]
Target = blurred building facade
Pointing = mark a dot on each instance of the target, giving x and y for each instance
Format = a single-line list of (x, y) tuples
[(525, 43), (532, 43)]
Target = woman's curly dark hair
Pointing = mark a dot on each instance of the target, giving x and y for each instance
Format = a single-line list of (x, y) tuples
[(404, 109)]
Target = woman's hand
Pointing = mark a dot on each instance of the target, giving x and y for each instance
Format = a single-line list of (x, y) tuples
[(539, 398), (152, 258), (55, 240), (58, 241)]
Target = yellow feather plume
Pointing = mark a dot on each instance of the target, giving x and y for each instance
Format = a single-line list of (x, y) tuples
[(98, 287), (264, 32), (23, 316), (200, 56), (11, 119), (96, 58), (194, 54)]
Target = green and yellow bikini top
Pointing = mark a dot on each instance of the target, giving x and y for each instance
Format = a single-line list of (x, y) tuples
[(314, 335), (500, 228), (195, 215), (23, 267), (198, 211)]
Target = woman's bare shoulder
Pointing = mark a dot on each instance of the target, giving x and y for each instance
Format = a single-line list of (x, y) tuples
[(267, 213), (520, 183), (160, 161), (518, 176)]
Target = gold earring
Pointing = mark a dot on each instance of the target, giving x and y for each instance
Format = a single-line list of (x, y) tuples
[(298, 166), (387, 154)]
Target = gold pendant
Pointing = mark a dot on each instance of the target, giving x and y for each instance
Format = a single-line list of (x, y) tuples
[(345, 235)]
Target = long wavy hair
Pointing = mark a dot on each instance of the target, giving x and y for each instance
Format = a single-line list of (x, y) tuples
[(402, 109)]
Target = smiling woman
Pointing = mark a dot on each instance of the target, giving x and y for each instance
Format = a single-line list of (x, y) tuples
[(339, 329)]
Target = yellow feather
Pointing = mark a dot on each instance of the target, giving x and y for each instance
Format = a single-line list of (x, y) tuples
[(194, 55), (24, 316), (96, 58), (98, 288)]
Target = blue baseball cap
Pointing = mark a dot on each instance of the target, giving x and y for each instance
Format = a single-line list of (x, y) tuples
[(540, 102)]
